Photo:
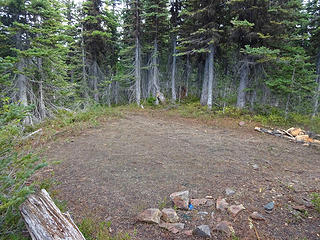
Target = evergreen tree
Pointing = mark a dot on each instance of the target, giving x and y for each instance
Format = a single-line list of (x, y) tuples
[(155, 31)]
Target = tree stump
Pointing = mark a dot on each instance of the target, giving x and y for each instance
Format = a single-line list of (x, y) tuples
[(44, 220)]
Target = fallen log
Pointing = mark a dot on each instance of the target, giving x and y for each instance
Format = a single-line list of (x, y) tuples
[(44, 220)]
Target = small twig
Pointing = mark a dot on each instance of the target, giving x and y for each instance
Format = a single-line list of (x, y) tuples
[(256, 232), (33, 133)]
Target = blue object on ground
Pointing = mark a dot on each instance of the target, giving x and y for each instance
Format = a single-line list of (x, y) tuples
[(269, 206), (190, 206)]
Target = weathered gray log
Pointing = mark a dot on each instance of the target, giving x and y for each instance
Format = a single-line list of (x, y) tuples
[(44, 220)]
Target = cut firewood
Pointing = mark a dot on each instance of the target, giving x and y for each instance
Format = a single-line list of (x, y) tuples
[(44, 220), (294, 134)]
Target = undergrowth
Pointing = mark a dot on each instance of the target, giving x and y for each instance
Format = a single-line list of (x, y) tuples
[(92, 230), (316, 201), (266, 115)]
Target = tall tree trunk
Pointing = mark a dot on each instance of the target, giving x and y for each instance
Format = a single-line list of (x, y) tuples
[(22, 83), (199, 78), (173, 72), (42, 107), (155, 73), (244, 73), (204, 92), (138, 71), (95, 81), (188, 75), (84, 73), (317, 93), (211, 76)]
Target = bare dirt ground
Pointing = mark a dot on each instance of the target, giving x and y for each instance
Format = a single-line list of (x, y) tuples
[(129, 164)]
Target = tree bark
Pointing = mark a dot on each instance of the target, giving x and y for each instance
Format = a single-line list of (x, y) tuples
[(22, 83), (173, 72), (138, 71), (188, 75), (211, 76), (244, 73), (95, 81), (155, 75), (204, 92), (45, 221), (42, 107), (317, 93), (84, 73)]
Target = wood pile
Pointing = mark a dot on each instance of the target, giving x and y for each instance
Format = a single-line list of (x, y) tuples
[(293, 134)]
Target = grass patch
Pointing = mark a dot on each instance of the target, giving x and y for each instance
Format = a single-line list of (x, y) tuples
[(92, 230), (316, 201), (265, 115)]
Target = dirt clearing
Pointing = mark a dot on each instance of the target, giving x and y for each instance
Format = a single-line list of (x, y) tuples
[(126, 165)]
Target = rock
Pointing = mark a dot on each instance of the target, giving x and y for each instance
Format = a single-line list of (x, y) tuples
[(225, 227), (202, 231), (180, 199), (255, 166), (257, 216), (172, 227), (188, 232), (151, 215), (212, 215), (209, 197), (221, 204), (230, 192), (242, 123), (269, 207), (203, 213), (235, 209), (169, 215), (198, 202), (210, 202)]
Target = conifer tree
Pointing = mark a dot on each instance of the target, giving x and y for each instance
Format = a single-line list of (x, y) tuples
[(156, 32)]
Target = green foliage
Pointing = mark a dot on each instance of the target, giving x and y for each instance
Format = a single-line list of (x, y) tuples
[(316, 201), (92, 230), (151, 101), (15, 171)]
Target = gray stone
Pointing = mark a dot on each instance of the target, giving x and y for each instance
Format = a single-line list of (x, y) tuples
[(180, 199), (225, 227), (235, 209), (169, 215), (151, 215), (257, 216), (210, 202), (222, 204), (172, 227), (255, 166), (202, 231), (230, 192), (242, 123), (198, 202), (269, 207), (203, 213)]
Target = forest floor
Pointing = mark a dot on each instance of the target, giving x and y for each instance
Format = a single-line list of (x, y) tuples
[(125, 165)]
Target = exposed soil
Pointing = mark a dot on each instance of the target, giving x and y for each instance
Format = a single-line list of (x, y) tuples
[(127, 165)]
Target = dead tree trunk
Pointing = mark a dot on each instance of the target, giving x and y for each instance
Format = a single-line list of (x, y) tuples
[(173, 72), (45, 221), (317, 94), (138, 71), (244, 74), (211, 76), (204, 92)]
